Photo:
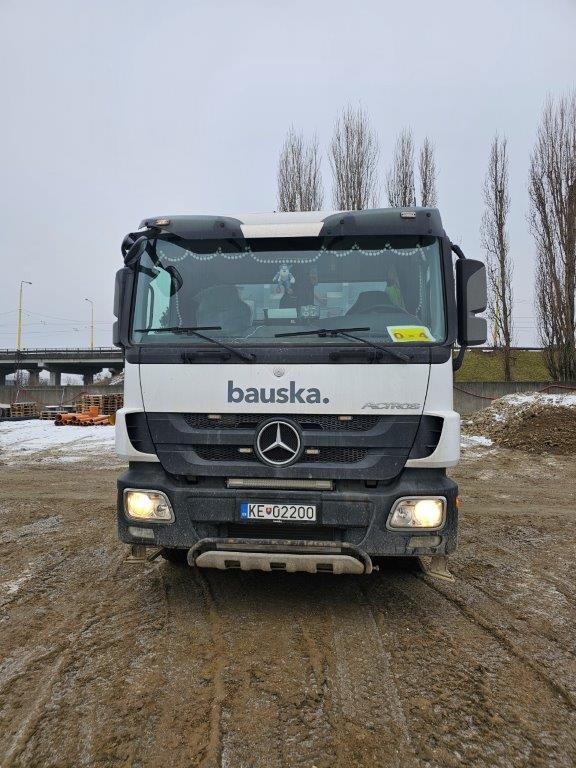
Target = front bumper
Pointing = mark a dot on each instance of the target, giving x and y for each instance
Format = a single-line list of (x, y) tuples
[(352, 515)]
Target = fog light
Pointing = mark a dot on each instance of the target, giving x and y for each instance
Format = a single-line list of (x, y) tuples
[(141, 533), (147, 505), (418, 512)]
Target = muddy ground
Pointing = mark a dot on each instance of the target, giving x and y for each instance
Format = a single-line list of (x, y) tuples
[(108, 664)]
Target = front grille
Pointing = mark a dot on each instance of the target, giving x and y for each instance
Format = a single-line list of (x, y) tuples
[(283, 531), (307, 422), (332, 455), (328, 455)]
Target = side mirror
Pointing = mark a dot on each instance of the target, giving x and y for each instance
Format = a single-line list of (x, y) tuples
[(472, 298), (122, 289), (135, 250)]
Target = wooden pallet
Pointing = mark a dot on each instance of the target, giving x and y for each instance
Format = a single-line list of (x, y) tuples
[(106, 404), (24, 409), (111, 403), (85, 402), (51, 414)]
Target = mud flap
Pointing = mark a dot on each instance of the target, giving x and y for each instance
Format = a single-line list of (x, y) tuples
[(436, 566), (140, 553)]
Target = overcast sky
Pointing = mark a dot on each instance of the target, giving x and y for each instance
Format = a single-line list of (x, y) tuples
[(113, 111)]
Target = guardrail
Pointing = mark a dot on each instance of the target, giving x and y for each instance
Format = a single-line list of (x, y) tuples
[(63, 353)]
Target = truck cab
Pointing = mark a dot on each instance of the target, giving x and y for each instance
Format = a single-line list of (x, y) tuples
[(288, 387)]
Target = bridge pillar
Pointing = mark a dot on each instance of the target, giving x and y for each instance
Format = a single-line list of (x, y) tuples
[(33, 377), (88, 378), (3, 379), (55, 378)]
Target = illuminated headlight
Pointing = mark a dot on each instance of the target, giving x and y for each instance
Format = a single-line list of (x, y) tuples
[(418, 512), (147, 505)]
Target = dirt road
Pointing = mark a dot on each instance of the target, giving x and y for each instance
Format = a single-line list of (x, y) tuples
[(108, 664)]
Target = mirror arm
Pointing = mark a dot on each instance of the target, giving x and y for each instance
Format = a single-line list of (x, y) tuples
[(457, 250), (459, 359)]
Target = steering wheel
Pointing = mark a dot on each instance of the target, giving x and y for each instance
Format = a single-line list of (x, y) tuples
[(380, 307)]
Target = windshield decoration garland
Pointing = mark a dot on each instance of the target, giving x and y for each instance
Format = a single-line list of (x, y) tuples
[(247, 251)]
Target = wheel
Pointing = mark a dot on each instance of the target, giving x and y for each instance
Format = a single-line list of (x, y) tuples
[(175, 556)]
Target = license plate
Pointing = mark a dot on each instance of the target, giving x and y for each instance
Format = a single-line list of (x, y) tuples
[(295, 513)]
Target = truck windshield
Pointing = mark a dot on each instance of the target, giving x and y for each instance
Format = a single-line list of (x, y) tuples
[(251, 290)]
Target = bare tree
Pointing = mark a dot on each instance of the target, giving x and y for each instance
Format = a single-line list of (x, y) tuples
[(299, 177), (552, 218), (353, 158), (400, 178), (427, 171), (494, 237)]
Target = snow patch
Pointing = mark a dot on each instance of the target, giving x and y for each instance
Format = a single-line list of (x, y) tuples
[(539, 398), (12, 587), (468, 441), (22, 441)]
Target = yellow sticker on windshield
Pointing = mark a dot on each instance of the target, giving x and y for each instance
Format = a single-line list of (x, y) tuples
[(410, 333)]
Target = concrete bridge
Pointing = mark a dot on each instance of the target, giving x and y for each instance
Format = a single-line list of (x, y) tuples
[(86, 362)]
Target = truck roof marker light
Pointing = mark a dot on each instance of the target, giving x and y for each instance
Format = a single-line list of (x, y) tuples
[(160, 222), (408, 214)]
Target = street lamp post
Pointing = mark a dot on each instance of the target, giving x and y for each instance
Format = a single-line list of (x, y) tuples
[(19, 331), (91, 322)]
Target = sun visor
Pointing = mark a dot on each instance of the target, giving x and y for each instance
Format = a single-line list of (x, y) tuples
[(385, 221), (196, 227)]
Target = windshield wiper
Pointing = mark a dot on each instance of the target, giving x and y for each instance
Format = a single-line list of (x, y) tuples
[(347, 333), (194, 331)]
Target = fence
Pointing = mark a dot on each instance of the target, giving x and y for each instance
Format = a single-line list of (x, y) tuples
[(54, 395), (472, 396)]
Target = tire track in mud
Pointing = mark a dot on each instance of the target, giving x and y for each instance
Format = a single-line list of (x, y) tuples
[(37, 712), (81, 614), (272, 675), (519, 603), (368, 693), (303, 678), (179, 723), (552, 656), (463, 596), (469, 698), (214, 747)]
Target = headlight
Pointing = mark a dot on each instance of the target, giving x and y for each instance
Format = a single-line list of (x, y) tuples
[(418, 512), (147, 505)]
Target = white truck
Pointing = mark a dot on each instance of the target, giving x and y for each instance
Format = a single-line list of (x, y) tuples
[(288, 387)]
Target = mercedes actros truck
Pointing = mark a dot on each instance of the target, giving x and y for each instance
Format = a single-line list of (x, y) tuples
[(288, 387)]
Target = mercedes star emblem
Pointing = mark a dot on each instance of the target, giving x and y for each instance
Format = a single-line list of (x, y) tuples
[(278, 443)]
